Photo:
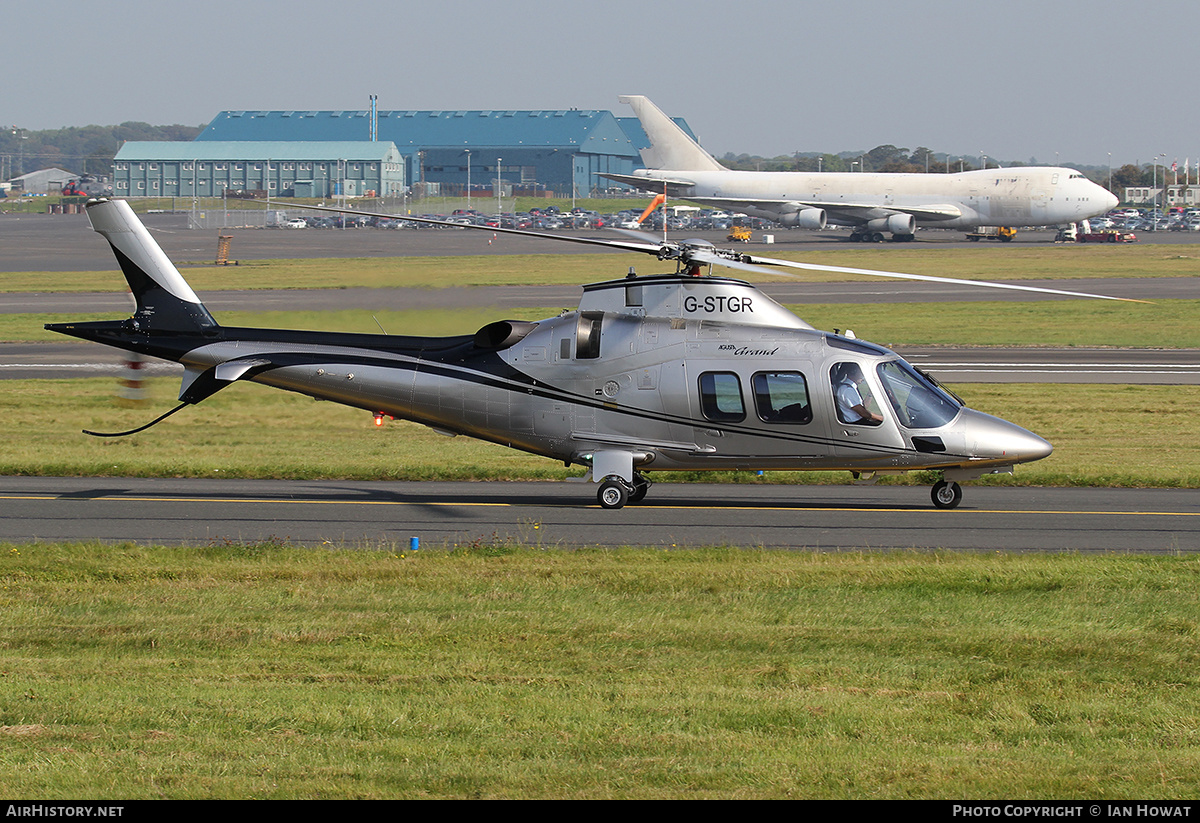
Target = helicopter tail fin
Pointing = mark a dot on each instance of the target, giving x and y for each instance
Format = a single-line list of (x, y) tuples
[(670, 146), (165, 301)]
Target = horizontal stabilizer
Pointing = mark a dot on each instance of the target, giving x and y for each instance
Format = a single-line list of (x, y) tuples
[(200, 384), (674, 187)]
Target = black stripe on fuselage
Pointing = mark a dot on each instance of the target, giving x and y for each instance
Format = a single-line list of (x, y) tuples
[(464, 362)]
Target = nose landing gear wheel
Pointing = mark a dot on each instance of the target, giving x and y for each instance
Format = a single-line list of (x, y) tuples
[(946, 495), (613, 494)]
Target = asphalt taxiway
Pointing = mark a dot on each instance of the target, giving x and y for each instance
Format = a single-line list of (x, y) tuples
[(363, 515), (65, 243)]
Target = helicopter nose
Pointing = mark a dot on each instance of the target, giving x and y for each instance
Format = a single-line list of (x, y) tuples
[(999, 440), (1028, 446)]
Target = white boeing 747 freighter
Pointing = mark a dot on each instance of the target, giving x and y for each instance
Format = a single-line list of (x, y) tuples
[(871, 203)]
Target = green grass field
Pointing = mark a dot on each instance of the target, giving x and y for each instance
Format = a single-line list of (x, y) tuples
[(504, 672), (985, 263), (1095, 323), (251, 431)]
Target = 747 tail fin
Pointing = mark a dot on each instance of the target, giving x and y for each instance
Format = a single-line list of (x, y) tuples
[(670, 146)]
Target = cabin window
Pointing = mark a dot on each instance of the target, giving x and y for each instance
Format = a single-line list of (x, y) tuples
[(721, 397), (918, 401), (587, 335), (855, 403), (782, 397)]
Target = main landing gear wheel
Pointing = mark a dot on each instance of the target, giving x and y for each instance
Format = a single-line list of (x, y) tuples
[(946, 495), (614, 494)]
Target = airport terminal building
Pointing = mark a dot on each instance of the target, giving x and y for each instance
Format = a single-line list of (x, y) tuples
[(215, 168)]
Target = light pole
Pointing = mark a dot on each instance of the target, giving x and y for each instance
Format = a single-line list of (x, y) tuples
[(499, 181), (1110, 171), (1154, 189), (21, 136), (341, 189), (468, 179)]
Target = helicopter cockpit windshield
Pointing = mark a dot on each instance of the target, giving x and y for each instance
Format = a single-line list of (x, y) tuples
[(918, 402)]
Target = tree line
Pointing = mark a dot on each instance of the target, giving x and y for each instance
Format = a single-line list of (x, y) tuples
[(78, 149)]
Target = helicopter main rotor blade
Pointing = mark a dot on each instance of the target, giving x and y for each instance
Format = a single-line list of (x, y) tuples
[(989, 284), (703, 253)]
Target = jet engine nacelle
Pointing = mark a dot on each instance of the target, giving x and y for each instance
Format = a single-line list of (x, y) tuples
[(804, 219), (895, 223)]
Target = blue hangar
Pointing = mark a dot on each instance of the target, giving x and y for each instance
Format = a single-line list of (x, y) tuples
[(538, 152)]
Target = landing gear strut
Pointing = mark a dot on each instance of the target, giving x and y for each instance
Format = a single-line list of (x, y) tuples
[(640, 486), (946, 494)]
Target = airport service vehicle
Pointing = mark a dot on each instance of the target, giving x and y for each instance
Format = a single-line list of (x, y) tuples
[(1106, 236), (1004, 234), (671, 371)]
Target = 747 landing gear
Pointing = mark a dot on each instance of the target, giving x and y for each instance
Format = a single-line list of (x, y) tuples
[(866, 237), (946, 494)]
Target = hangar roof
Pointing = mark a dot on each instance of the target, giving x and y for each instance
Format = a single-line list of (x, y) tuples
[(282, 150), (586, 130)]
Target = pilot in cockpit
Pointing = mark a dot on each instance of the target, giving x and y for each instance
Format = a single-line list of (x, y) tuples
[(853, 395)]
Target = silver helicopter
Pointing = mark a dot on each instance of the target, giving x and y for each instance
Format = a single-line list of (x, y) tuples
[(668, 372)]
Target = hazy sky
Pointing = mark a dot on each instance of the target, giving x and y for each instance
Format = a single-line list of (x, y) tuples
[(1012, 79)]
